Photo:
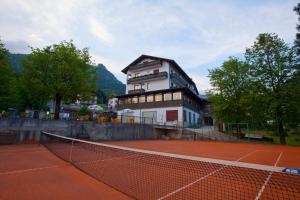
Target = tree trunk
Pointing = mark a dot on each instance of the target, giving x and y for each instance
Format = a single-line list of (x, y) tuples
[(281, 133), (57, 105)]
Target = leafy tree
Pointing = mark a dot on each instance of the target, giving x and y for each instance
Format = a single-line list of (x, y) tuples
[(230, 83), (272, 64), (8, 86), (60, 72), (297, 41), (294, 84)]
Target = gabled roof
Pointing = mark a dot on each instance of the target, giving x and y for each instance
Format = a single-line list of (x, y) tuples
[(174, 64)]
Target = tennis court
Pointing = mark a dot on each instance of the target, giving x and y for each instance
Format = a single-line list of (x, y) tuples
[(155, 170), (32, 172)]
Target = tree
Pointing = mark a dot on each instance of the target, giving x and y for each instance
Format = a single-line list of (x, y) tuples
[(273, 65), (230, 83), (297, 40), (8, 86), (60, 72), (294, 84)]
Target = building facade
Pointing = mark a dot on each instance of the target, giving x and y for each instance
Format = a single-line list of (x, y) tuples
[(159, 91)]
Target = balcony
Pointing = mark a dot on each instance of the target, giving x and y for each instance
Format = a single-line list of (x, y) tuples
[(148, 77), (146, 65), (138, 91), (178, 80)]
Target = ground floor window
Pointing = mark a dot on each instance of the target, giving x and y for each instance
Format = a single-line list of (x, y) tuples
[(172, 115), (184, 115)]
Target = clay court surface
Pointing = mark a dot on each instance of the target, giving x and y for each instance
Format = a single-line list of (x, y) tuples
[(266, 154), (32, 172)]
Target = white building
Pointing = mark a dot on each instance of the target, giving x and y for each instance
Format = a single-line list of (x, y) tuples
[(112, 103), (159, 90)]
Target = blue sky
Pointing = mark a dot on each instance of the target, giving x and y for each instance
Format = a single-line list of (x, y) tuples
[(199, 35)]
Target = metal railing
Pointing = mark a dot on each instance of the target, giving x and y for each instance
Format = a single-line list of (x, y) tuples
[(156, 76)]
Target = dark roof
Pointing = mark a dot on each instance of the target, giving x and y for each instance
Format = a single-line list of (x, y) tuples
[(184, 89), (142, 57)]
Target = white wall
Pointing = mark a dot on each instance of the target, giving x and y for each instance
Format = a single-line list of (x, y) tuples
[(152, 85), (161, 114)]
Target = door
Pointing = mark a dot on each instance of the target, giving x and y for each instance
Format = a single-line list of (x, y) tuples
[(149, 117), (172, 115)]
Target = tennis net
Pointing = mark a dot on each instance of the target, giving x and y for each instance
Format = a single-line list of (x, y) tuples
[(143, 174)]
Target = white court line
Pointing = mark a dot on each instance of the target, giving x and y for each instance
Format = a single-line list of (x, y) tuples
[(31, 169), (10, 152), (267, 180), (29, 149), (247, 155), (192, 183), (278, 159), (201, 178)]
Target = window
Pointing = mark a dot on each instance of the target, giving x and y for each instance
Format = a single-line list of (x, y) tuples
[(158, 97), (177, 96), (149, 117), (168, 97), (184, 115), (147, 86), (172, 115), (137, 87), (194, 118), (190, 120), (134, 99), (142, 99), (121, 101), (156, 71), (128, 100), (150, 98)]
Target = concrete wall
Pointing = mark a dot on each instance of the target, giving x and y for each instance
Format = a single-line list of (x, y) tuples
[(28, 130)]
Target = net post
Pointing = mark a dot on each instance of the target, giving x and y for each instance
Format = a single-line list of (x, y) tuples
[(71, 150)]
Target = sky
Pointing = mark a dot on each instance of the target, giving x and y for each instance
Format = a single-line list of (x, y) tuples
[(198, 34)]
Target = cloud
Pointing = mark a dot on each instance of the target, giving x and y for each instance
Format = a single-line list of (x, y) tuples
[(202, 83), (99, 30), (194, 33)]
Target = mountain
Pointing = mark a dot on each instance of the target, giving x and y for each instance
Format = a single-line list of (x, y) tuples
[(15, 60), (106, 81)]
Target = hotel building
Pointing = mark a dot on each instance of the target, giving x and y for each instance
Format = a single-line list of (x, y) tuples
[(159, 91)]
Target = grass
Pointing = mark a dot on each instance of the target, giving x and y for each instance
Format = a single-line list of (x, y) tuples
[(291, 139)]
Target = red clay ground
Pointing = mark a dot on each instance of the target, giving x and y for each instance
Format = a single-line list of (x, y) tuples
[(32, 172), (267, 154)]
